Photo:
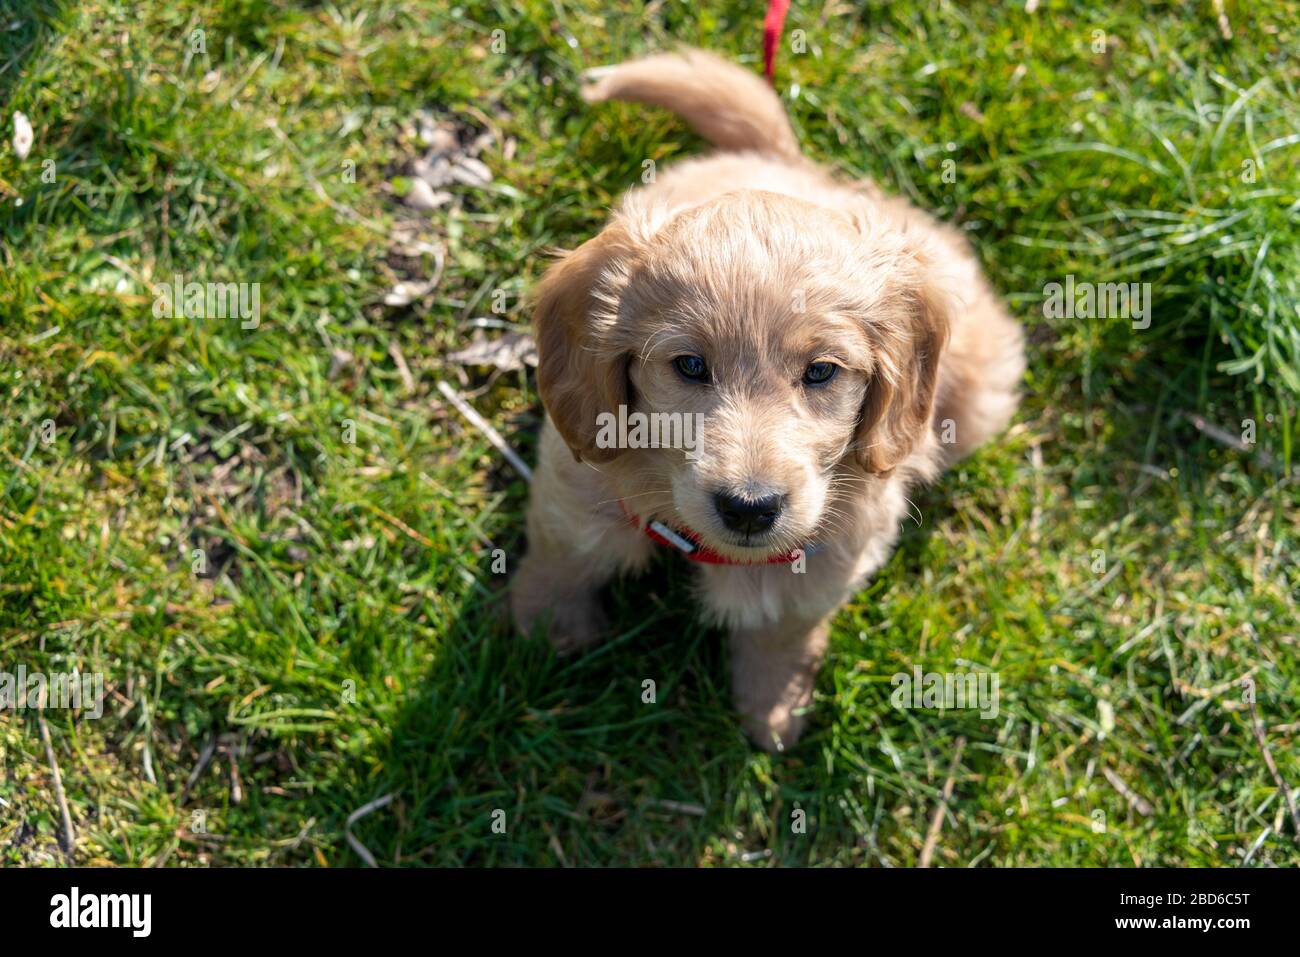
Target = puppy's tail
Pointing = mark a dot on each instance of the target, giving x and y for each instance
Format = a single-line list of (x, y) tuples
[(729, 106)]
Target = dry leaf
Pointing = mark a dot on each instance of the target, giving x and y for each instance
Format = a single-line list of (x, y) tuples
[(471, 172), (405, 293), (441, 139), (423, 197), (509, 352)]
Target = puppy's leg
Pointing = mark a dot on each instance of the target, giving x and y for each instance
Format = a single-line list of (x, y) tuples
[(578, 539), (557, 587), (778, 617), (773, 669)]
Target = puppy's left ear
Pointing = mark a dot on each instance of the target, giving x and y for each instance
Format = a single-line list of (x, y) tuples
[(898, 411), (581, 373)]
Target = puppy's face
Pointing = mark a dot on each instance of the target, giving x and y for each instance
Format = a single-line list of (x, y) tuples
[(787, 339), (775, 384)]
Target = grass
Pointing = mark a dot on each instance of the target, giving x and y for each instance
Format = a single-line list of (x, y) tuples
[(321, 616)]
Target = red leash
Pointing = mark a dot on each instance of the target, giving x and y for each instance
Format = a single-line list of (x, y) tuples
[(772, 27)]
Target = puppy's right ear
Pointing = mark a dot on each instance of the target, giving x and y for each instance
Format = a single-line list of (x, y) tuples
[(581, 370)]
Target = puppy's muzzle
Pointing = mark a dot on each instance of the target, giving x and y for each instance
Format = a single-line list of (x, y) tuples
[(748, 515)]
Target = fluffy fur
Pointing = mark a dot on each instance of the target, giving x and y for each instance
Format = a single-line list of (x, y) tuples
[(761, 263)]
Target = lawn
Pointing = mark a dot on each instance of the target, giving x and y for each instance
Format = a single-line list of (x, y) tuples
[(282, 547)]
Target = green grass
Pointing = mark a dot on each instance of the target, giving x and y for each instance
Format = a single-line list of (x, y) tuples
[(345, 641)]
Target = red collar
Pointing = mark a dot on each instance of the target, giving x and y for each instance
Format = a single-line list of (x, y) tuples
[(690, 545)]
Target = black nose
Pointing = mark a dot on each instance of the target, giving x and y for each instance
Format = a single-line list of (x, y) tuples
[(748, 515)]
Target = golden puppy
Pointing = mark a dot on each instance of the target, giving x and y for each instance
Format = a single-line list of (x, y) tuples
[(823, 348)]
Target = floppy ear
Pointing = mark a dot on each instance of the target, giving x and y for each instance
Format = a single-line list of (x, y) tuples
[(580, 372), (896, 415)]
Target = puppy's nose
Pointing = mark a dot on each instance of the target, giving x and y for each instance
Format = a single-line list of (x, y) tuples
[(748, 515)]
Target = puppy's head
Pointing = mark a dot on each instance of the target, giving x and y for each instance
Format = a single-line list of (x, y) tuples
[(798, 339)]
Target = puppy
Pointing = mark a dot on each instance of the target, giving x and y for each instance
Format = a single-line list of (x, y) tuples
[(835, 345)]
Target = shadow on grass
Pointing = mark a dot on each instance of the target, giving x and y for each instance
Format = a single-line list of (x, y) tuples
[(509, 755), (628, 754), (27, 27)]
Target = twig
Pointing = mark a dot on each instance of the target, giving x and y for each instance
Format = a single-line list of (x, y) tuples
[(1225, 28), (293, 843), (936, 822), (236, 788), (146, 763), (679, 807), (69, 835), (402, 368), (482, 424), (401, 526), (1272, 768), (1135, 800), (558, 850), (1224, 437), (147, 758), (362, 851), (1036, 516), (1259, 842), (128, 268), (204, 757)]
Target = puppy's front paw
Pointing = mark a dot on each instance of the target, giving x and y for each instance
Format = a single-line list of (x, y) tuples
[(772, 678), (576, 623), (573, 619), (777, 730)]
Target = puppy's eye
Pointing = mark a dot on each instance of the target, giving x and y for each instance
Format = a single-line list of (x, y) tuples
[(692, 367), (819, 373)]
